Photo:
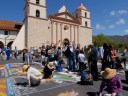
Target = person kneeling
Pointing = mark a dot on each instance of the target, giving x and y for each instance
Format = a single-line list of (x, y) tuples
[(49, 70), (34, 76), (86, 77), (111, 81)]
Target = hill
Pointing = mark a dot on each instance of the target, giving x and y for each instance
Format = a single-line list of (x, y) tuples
[(121, 39)]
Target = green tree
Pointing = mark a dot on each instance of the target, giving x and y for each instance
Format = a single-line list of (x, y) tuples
[(100, 39)]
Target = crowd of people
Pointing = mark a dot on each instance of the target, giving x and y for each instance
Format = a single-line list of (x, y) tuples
[(7, 54), (83, 60)]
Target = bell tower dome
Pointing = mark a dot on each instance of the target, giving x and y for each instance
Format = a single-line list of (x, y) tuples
[(83, 15), (35, 8)]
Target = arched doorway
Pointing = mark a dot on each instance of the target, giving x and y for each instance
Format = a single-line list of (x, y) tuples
[(1, 45), (66, 41), (9, 44)]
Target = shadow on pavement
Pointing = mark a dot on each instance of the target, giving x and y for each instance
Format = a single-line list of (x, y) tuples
[(123, 81), (24, 84), (92, 93), (125, 88)]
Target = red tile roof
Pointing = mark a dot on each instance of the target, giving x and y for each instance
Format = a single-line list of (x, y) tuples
[(10, 25)]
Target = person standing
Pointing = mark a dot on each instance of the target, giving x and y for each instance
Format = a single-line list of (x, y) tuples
[(70, 57), (24, 52), (39, 53), (81, 59), (8, 52), (94, 58), (106, 56), (77, 53), (15, 52), (27, 57), (43, 57), (101, 52), (59, 52), (112, 57), (74, 55), (124, 59), (32, 51)]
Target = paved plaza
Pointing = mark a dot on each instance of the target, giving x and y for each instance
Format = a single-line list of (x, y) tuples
[(17, 86)]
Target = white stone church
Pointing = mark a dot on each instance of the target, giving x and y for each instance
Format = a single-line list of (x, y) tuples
[(38, 29)]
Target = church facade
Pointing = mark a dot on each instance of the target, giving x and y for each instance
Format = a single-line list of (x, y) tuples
[(38, 29)]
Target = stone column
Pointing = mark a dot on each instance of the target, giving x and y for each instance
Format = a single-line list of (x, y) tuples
[(70, 33), (61, 32), (77, 34), (52, 32), (56, 32), (74, 36)]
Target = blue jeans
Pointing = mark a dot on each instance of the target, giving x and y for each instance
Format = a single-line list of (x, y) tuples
[(113, 65), (70, 64), (15, 55), (8, 56)]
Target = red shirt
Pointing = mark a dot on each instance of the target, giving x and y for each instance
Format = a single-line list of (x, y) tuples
[(113, 55)]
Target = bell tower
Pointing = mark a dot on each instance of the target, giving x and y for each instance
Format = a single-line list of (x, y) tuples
[(83, 15), (35, 8), (36, 23)]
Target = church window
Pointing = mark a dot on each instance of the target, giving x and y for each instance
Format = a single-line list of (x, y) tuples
[(86, 24), (6, 32), (76, 15), (37, 1), (85, 14), (37, 13), (66, 27)]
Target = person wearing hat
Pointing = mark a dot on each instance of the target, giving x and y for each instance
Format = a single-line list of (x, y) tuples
[(111, 81), (49, 70), (34, 76)]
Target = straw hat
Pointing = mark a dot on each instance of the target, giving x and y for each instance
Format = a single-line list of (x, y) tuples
[(50, 65), (108, 73), (25, 67)]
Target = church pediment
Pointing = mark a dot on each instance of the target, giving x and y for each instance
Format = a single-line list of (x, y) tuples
[(64, 16)]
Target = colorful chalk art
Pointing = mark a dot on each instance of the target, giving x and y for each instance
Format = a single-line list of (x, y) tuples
[(13, 83)]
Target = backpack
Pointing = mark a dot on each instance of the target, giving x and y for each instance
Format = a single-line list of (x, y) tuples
[(60, 69)]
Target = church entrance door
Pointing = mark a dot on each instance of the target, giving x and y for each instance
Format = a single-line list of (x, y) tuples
[(1, 45)]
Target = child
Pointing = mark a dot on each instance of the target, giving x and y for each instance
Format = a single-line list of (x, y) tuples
[(111, 81), (81, 59)]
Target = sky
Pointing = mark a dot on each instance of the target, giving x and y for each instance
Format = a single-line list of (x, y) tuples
[(109, 17)]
